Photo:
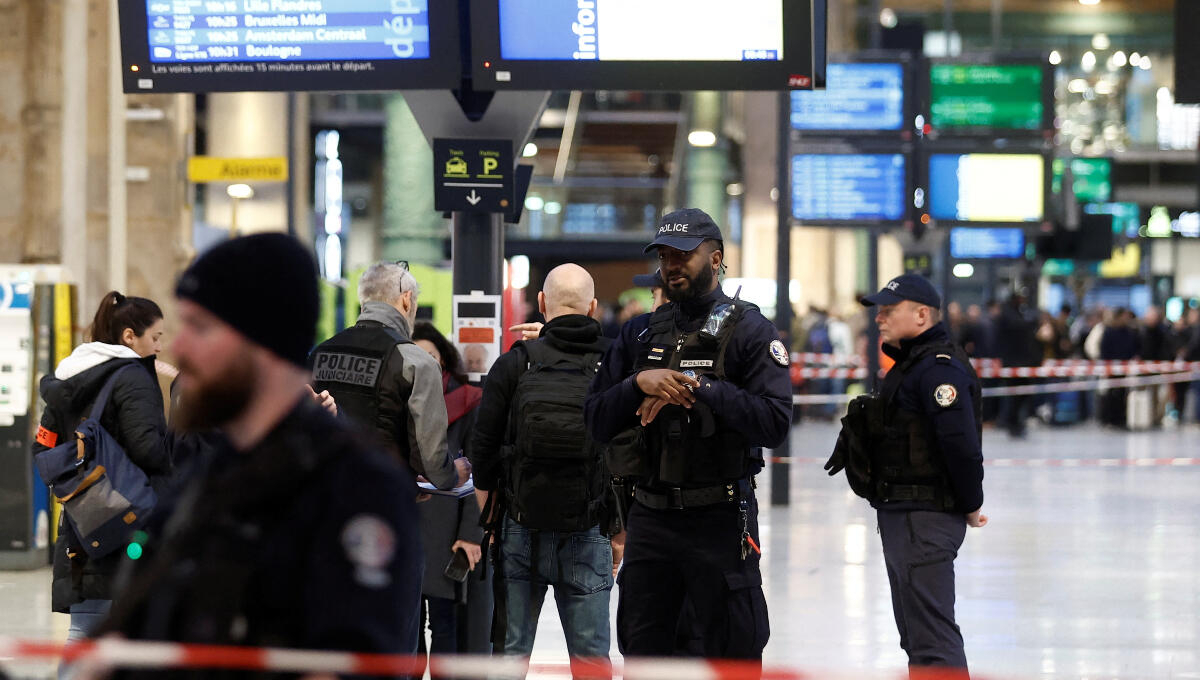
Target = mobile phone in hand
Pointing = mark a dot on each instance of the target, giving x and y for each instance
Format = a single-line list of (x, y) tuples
[(458, 567)]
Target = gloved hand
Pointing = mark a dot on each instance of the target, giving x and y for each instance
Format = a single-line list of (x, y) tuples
[(837, 461)]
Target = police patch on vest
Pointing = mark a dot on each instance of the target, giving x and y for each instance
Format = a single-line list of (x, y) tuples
[(370, 545), (779, 353), (945, 395), (696, 363), (346, 368)]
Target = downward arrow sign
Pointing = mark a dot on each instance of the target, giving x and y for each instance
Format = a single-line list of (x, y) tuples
[(474, 198)]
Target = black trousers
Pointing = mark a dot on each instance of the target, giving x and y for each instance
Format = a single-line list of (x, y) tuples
[(685, 589), (919, 548)]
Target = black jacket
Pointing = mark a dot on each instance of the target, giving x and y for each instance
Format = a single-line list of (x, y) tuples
[(307, 540), (755, 400), (953, 426), (445, 519), (574, 334), (134, 417)]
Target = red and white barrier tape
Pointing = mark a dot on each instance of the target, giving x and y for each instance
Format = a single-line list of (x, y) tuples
[(117, 653), (1040, 388), (1050, 369), (1037, 462)]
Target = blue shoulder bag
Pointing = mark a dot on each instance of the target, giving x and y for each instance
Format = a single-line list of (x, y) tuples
[(105, 495)]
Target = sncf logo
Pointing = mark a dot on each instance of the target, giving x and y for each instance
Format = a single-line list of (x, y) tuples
[(669, 228), (892, 285)]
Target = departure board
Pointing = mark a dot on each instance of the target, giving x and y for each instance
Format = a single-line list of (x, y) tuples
[(981, 187), (170, 45), (856, 97), (987, 96), (978, 243), (1091, 179), (182, 31), (658, 45), (631, 30), (849, 187)]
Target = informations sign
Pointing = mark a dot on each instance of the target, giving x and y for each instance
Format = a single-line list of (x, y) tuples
[(855, 187), (633, 30), (662, 44), (981, 187), (857, 97), (474, 175), (973, 243), (177, 45), (987, 96), (1091, 179)]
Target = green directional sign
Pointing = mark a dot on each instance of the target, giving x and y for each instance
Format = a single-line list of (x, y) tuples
[(996, 96)]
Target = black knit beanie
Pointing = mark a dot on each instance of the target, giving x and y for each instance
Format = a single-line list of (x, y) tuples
[(265, 286)]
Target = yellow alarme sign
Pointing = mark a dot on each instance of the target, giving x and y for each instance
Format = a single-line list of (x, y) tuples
[(203, 169)]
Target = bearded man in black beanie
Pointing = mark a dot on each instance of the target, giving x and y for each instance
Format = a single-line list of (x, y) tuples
[(298, 532)]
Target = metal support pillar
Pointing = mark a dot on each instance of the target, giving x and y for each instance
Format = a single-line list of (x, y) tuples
[(477, 249), (781, 468)]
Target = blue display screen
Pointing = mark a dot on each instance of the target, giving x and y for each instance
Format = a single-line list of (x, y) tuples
[(213, 31), (636, 30), (1127, 217), (980, 243), (857, 97), (983, 187), (849, 187)]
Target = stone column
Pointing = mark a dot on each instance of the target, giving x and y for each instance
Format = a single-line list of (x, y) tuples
[(30, 130), (33, 38)]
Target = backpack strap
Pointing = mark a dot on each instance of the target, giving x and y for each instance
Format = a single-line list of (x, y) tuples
[(106, 391), (541, 355)]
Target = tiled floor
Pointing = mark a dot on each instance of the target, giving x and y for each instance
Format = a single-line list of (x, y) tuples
[(1087, 570)]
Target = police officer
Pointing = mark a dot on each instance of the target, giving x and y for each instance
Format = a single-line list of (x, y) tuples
[(297, 532), (703, 381), (655, 283), (381, 379), (917, 457)]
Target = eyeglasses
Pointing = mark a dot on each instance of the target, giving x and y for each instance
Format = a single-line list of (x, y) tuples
[(402, 263)]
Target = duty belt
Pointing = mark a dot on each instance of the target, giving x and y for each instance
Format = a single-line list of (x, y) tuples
[(675, 498)]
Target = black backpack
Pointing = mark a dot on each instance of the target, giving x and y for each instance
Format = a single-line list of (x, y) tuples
[(554, 469)]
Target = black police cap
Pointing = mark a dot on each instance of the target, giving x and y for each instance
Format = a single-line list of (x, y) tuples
[(905, 287), (684, 230)]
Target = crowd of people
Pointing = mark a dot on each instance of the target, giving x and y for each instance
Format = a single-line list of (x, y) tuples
[(1018, 335), (1021, 336), (361, 495), (322, 496)]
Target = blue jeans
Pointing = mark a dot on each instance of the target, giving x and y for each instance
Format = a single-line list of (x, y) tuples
[(86, 616), (579, 566)]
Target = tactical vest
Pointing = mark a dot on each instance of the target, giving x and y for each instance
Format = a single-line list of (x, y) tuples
[(690, 448), (354, 365), (907, 466)]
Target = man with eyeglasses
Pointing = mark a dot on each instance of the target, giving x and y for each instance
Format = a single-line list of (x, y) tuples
[(382, 380)]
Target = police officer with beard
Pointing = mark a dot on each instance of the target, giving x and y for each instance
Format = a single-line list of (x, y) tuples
[(914, 451), (703, 383)]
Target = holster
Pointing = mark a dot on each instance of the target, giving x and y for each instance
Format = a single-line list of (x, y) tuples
[(623, 492)]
